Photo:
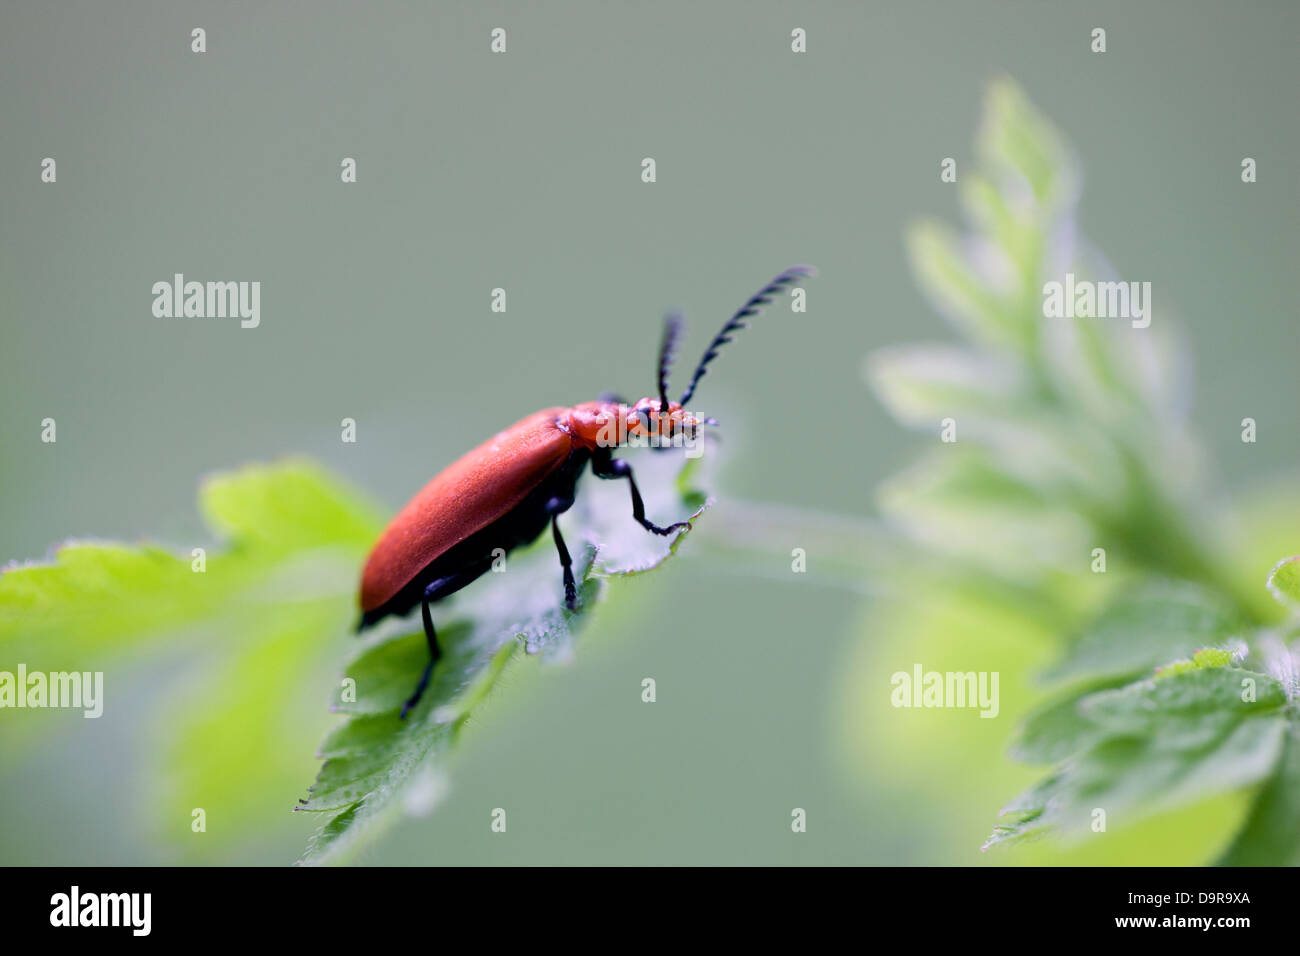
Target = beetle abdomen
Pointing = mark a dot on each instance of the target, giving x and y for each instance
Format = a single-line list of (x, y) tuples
[(465, 497)]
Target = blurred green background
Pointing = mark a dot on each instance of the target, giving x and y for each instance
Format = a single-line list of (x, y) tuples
[(523, 171)]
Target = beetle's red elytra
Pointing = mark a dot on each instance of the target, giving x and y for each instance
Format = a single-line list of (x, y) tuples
[(506, 491), (465, 497)]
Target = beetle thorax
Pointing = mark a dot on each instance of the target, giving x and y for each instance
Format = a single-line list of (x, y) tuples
[(612, 424)]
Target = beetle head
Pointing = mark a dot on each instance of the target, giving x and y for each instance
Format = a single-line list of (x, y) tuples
[(658, 421), (613, 424)]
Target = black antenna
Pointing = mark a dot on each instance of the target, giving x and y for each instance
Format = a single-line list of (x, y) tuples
[(737, 322), (667, 351)]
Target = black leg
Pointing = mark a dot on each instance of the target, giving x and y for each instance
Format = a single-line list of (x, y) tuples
[(556, 507), (431, 637), (436, 590), (607, 466)]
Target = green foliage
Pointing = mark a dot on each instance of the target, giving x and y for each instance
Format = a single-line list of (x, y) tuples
[(248, 640), (1207, 657), (1271, 836), (1284, 582), (258, 633), (376, 763), (1173, 619), (93, 598), (1156, 743), (1170, 685)]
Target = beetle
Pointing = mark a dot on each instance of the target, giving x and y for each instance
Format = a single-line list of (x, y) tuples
[(506, 491)]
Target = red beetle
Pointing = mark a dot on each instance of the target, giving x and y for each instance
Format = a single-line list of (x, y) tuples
[(504, 492)]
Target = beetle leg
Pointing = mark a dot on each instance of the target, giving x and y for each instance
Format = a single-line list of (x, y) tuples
[(434, 591), (431, 636), (555, 507), (607, 466)]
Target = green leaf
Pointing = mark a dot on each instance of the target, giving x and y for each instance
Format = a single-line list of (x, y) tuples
[(958, 502), (1271, 834), (963, 290), (1027, 815), (1153, 623), (243, 639), (292, 506), (1070, 436), (1021, 147), (923, 384), (96, 598), (274, 600), (375, 763), (1284, 582), (1156, 744), (1012, 230), (1055, 730), (237, 735), (1209, 657)]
